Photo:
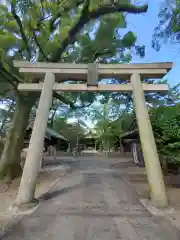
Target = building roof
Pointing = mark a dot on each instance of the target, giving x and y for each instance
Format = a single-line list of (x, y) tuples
[(52, 133), (131, 134)]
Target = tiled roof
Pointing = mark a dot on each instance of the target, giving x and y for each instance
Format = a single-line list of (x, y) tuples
[(50, 132), (53, 133)]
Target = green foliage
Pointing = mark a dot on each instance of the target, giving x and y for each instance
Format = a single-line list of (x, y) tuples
[(129, 39), (165, 122), (6, 115), (100, 117), (101, 49), (166, 127), (70, 130), (155, 99), (37, 30), (50, 31), (107, 127), (169, 24)]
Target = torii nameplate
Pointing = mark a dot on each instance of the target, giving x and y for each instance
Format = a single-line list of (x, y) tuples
[(92, 78)]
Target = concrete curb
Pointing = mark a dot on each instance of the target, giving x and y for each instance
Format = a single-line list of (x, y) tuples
[(131, 186), (148, 204), (165, 211), (168, 213)]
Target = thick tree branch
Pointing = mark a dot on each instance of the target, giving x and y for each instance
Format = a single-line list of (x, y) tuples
[(84, 106), (10, 74), (52, 22), (72, 32), (99, 54), (86, 16), (68, 102), (129, 8), (63, 99), (42, 8), (53, 116), (59, 14), (39, 46), (23, 35), (5, 75)]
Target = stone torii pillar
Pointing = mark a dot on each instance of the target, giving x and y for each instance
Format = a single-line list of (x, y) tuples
[(31, 168), (152, 163)]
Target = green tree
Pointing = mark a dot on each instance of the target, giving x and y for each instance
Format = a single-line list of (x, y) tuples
[(72, 131), (155, 99), (102, 116), (6, 115), (166, 126), (43, 31), (165, 122)]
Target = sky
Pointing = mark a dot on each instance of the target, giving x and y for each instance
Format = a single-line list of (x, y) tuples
[(143, 25)]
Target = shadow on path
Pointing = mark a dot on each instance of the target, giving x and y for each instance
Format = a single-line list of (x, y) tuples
[(56, 193)]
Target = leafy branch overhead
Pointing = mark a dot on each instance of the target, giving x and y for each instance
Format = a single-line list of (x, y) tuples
[(169, 24), (86, 16), (61, 31)]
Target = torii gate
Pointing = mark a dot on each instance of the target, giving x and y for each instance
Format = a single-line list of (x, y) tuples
[(55, 72)]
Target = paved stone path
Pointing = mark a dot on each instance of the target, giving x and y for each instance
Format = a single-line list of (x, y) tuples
[(92, 203)]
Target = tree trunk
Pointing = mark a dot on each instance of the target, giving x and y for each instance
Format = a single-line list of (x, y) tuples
[(164, 166), (121, 147), (6, 118), (11, 155), (52, 117)]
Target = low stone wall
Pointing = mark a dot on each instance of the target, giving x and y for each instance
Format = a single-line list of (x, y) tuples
[(90, 154), (62, 154), (118, 154), (107, 154)]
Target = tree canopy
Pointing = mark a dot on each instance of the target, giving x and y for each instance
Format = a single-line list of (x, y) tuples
[(44, 31), (56, 31), (78, 31), (166, 126), (169, 24)]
